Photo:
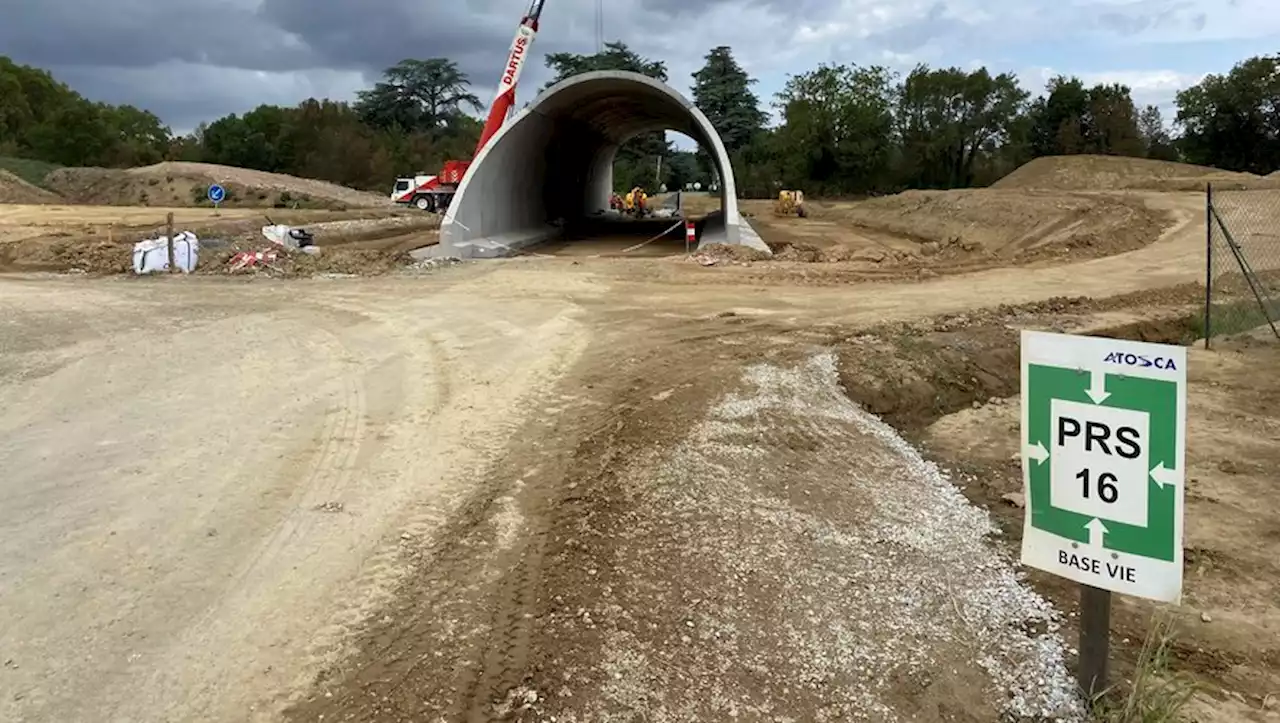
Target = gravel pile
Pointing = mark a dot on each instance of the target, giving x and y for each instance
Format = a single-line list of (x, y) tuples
[(433, 263), (795, 559)]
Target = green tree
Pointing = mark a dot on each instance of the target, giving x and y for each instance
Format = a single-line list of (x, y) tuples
[(757, 170), (1232, 121), (1059, 118), (15, 109), (43, 119), (1001, 158), (615, 56), (423, 95), (1113, 122), (1157, 143), (682, 169), (75, 134), (837, 129), (722, 91), (141, 137), (948, 118), (1073, 119)]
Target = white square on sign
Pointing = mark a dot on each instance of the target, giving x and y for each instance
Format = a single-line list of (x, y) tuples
[(1098, 461)]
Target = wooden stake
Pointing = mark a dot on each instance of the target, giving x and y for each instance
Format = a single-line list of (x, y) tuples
[(173, 266)]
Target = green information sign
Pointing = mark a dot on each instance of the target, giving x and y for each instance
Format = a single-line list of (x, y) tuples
[(1104, 435)]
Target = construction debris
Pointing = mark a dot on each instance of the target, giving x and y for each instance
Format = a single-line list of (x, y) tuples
[(152, 255), (288, 236), (252, 261)]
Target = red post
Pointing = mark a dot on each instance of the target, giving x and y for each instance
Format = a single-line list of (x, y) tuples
[(690, 236)]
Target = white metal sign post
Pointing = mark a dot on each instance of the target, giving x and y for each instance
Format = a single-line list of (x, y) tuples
[(1104, 440)]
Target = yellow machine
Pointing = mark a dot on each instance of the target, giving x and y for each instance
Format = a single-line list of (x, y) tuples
[(788, 203)]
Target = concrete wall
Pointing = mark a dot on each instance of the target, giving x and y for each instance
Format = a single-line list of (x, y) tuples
[(553, 163)]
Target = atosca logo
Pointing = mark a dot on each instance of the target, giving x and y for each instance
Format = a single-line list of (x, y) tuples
[(1140, 360)]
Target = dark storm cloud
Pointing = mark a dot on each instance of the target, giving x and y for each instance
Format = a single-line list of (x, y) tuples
[(934, 24), (180, 57), (193, 60), (186, 95), (358, 34), (164, 54), (134, 33)]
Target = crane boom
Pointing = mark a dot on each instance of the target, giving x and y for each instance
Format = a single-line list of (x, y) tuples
[(505, 100), (435, 193)]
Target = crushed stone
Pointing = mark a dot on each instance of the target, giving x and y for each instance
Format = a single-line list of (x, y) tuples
[(433, 263), (804, 562)]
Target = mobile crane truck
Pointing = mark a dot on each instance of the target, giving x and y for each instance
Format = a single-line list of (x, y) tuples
[(434, 193)]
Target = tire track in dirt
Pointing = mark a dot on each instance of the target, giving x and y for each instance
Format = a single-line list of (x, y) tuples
[(457, 563), (591, 423), (328, 468), (457, 357), (461, 638)]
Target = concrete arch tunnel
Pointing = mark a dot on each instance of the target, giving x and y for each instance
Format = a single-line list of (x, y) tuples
[(552, 164)]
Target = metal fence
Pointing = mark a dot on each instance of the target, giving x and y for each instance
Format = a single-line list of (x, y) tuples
[(1242, 275)]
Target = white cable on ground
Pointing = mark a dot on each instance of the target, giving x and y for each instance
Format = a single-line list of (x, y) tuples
[(642, 244)]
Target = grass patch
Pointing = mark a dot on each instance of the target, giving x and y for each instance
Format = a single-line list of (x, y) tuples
[(1156, 694), (29, 170), (1235, 317)]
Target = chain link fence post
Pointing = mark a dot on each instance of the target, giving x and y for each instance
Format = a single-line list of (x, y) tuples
[(1208, 263)]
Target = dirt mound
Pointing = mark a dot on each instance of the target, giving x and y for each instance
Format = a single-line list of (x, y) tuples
[(186, 184), (1004, 224), (16, 190), (1116, 173), (809, 253), (732, 253), (91, 256), (338, 262)]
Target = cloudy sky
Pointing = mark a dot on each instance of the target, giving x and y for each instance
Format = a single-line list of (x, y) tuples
[(193, 60)]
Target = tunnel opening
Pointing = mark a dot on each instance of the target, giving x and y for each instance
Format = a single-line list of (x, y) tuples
[(548, 175), (676, 177)]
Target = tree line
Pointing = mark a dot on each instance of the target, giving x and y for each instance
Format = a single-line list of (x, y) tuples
[(842, 129)]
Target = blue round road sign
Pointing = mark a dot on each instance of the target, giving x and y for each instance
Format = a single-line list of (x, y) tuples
[(217, 193)]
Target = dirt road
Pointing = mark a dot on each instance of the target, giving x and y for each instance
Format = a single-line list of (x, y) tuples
[(206, 486), (19, 222), (570, 487)]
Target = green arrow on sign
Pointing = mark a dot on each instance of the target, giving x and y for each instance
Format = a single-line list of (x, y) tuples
[(1096, 531), (1162, 476), (1037, 452), (1097, 390)]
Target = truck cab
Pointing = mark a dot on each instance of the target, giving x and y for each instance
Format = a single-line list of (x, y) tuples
[(421, 191), (430, 193)]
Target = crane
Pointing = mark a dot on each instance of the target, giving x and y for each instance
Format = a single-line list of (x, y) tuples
[(505, 101), (434, 193)]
